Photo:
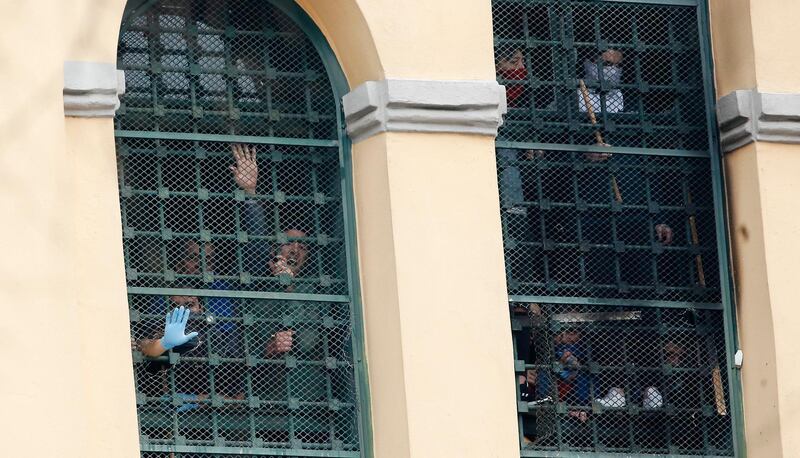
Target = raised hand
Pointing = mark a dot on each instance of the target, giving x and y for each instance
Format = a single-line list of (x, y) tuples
[(175, 327), (245, 172), (281, 342)]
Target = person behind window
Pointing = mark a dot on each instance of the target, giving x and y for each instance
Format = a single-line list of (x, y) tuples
[(511, 68), (191, 264), (301, 335), (191, 378), (609, 100)]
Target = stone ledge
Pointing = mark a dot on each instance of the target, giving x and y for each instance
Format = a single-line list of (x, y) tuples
[(92, 89), (746, 116), (472, 107)]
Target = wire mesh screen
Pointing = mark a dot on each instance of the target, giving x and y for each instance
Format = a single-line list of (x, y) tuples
[(609, 225), (179, 196), (261, 373), (222, 67), (610, 228), (232, 199), (622, 379), (639, 64)]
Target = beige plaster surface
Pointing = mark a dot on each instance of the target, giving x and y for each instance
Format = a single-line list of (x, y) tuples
[(67, 387), (777, 58), (754, 308), (779, 169), (753, 45), (732, 43), (753, 48), (438, 334), (409, 39)]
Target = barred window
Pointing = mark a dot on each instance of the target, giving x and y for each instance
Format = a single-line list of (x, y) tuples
[(234, 198), (611, 207)]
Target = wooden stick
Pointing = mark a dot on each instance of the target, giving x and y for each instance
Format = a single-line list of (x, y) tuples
[(719, 394), (615, 187), (597, 135), (590, 111), (698, 259)]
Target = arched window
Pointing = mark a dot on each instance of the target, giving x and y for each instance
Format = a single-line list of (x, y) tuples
[(616, 254), (236, 205)]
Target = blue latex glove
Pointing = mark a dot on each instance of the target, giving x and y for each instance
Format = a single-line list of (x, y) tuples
[(187, 404), (175, 327)]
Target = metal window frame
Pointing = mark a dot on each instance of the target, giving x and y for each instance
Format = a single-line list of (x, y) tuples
[(724, 256), (340, 87)]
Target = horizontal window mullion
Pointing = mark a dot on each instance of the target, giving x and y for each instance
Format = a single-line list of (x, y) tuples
[(226, 138), (254, 451), (615, 302), (600, 149), (134, 290)]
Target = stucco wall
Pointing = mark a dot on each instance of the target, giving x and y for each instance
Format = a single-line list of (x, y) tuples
[(752, 42), (67, 387), (752, 48), (444, 305), (410, 39), (779, 169), (756, 322)]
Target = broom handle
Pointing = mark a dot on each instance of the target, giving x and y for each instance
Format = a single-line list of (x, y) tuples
[(597, 135), (698, 259), (590, 110)]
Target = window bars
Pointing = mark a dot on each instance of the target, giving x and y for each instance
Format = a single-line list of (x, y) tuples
[(232, 200), (610, 209)]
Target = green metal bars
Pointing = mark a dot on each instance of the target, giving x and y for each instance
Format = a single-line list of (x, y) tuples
[(616, 255), (235, 204)]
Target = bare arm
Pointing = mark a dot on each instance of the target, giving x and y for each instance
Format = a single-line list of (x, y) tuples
[(151, 347)]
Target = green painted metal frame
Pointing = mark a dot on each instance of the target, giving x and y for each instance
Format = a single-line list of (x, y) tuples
[(340, 87), (723, 236), (728, 300)]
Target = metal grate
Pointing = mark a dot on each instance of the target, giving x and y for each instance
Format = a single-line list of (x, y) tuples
[(222, 67), (609, 194), (651, 94), (622, 379), (233, 200), (623, 226)]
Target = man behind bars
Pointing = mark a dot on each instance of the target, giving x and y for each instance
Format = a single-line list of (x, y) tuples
[(191, 378), (291, 330)]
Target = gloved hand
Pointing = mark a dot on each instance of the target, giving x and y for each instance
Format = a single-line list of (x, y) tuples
[(175, 327)]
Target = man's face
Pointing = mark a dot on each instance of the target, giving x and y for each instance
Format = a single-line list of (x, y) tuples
[(291, 255), (568, 337), (612, 56), (190, 302), (673, 354), (191, 263), (515, 62)]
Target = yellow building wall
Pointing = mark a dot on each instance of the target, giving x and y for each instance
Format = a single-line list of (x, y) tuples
[(67, 385), (756, 322), (779, 169), (430, 246), (438, 335), (436, 348), (433, 344), (752, 49), (409, 39)]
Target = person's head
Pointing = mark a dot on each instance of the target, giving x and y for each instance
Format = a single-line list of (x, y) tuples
[(510, 61), (190, 302), (568, 336), (674, 353), (292, 254), (611, 56), (190, 262)]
